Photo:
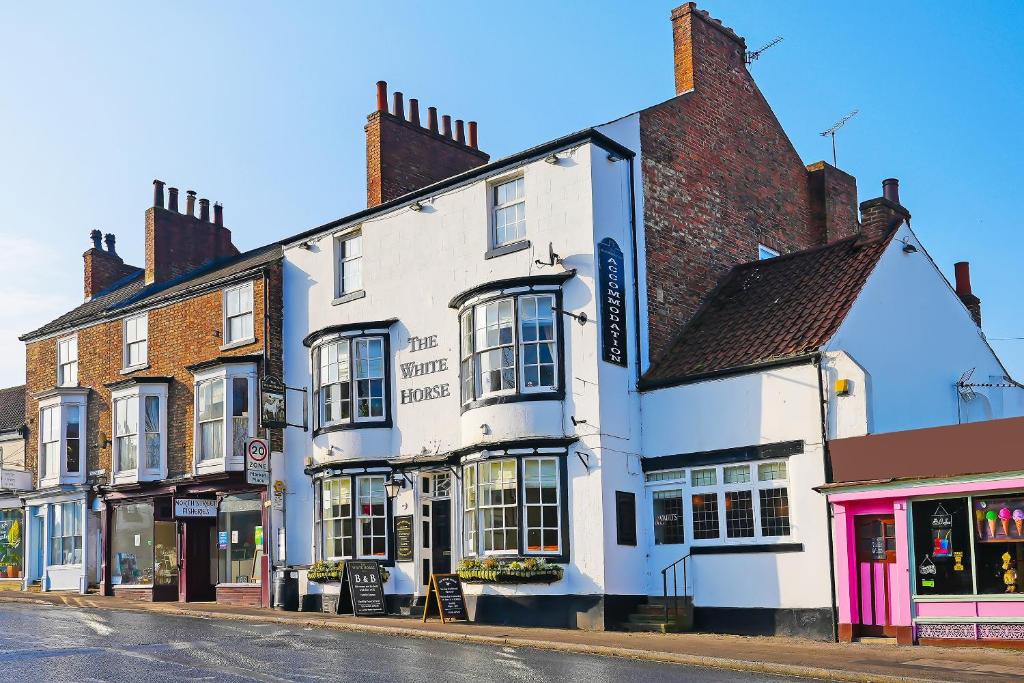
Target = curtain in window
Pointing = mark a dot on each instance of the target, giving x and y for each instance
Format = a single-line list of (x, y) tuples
[(126, 433), (211, 420), (152, 426)]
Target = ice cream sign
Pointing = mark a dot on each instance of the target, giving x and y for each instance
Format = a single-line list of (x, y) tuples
[(942, 533)]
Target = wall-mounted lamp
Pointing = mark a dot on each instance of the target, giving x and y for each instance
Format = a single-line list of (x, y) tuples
[(393, 486), (551, 159), (613, 157), (909, 248), (308, 244), (416, 206)]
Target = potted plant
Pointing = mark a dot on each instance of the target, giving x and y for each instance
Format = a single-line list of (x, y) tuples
[(13, 552), (325, 571), (509, 570)]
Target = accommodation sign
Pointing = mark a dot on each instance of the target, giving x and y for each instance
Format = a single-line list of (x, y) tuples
[(613, 302)]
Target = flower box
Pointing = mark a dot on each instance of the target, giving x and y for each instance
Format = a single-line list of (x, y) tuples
[(492, 570)]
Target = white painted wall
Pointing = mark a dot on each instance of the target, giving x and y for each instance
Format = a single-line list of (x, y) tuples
[(915, 338)]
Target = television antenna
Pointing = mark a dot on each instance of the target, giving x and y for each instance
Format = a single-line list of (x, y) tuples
[(751, 56), (832, 131)]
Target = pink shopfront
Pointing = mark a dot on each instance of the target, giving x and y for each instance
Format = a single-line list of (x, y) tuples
[(929, 536)]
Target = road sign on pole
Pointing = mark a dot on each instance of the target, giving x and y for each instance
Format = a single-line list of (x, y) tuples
[(257, 462)]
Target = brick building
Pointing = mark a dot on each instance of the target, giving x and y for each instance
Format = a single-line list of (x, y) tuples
[(139, 402)]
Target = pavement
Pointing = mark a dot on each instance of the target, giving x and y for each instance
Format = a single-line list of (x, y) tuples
[(786, 657)]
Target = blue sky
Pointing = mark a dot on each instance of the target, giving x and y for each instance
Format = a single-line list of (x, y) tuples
[(261, 106)]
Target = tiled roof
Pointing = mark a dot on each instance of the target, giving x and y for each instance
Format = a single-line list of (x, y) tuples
[(132, 292), (12, 408), (769, 310)]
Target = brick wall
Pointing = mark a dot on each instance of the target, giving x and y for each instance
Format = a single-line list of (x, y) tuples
[(177, 243), (102, 269), (181, 334), (720, 176), (242, 596), (402, 157)]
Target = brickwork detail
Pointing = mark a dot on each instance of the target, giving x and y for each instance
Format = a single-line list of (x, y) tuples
[(242, 596), (102, 269), (178, 243)]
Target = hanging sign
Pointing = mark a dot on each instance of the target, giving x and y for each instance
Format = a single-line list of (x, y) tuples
[(444, 594), (257, 462), (941, 519), (273, 412), (365, 588), (611, 280), (404, 538), (195, 507)]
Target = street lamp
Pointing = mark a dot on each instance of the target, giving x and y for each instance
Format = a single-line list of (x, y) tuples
[(392, 486)]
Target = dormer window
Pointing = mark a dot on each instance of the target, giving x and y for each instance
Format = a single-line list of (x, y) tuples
[(67, 362), (238, 326), (140, 423), (136, 341)]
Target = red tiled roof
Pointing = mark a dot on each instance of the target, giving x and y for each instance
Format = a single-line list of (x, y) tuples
[(769, 310)]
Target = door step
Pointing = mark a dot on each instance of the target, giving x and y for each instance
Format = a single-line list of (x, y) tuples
[(875, 640)]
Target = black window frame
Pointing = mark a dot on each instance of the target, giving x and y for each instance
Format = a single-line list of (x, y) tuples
[(370, 423)]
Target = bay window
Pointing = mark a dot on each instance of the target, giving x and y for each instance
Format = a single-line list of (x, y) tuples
[(514, 506), (352, 518), (62, 436), (510, 346), (140, 423), (224, 400), (350, 381)]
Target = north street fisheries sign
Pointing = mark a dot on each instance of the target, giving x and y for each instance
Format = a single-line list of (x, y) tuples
[(613, 302)]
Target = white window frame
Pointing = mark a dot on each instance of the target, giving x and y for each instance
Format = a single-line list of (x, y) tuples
[(682, 478), (76, 506), (133, 321), (60, 404), (227, 318), (497, 207), (356, 518), (764, 252), (228, 461), (70, 343), (522, 343), (344, 261), (142, 471), (350, 345)]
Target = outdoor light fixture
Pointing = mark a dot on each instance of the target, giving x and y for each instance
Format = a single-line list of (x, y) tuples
[(392, 486), (551, 159), (416, 206), (909, 248), (613, 157)]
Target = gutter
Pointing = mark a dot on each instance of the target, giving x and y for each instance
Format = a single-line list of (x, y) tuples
[(827, 464), (800, 359)]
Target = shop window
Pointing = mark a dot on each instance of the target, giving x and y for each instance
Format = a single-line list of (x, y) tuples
[(999, 544), (942, 546), (240, 538), (668, 517), (10, 538), (131, 545), (509, 346), (497, 521), (221, 393), (350, 381), (66, 534), (352, 518)]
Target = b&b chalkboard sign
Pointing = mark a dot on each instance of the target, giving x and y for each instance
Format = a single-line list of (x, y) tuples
[(445, 594), (404, 537), (365, 588)]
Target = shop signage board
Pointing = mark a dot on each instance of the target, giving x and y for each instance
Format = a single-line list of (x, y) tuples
[(195, 507), (611, 272), (365, 588), (273, 407), (444, 594), (257, 462), (404, 538)]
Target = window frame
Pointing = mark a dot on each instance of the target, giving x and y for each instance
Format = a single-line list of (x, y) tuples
[(142, 471), (70, 340), (53, 525), (560, 457), (353, 421), (226, 373), (494, 207), (227, 318), (519, 393), (340, 259), (126, 345), (59, 404), (388, 558), (684, 478)]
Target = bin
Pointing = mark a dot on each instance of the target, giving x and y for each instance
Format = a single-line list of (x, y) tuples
[(286, 589)]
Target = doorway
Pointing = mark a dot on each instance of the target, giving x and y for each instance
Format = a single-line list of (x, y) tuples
[(876, 566), (441, 535), (198, 540)]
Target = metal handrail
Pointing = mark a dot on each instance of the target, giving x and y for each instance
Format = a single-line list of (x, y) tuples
[(675, 585)]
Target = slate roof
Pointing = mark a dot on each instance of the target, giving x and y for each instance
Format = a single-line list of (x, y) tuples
[(769, 310), (12, 408), (131, 292)]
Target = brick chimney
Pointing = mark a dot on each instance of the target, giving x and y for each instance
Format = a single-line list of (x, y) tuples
[(402, 156), (704, 48), (882, 215), (833, 195), (962, 272), (103, 268), (177, 243)]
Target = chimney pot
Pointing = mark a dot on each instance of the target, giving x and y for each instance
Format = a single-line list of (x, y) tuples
[(218, 214), (204, 210), (472, 135), (158, 194), (96, 236), (414, 111), (446, 126), (172, 198), (432, 119), (460, 131), (190, 203), (891, 189), (382, 96), (962, 271), (110, 240), (398, 107)]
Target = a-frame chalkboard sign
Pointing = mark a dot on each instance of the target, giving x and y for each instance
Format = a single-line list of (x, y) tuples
[(444, 593), (361, 588)]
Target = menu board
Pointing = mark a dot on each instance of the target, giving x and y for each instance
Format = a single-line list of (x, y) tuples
[(365, 588), (445, 594), (404, 539)]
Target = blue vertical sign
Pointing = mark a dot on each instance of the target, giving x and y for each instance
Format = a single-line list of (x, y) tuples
[(611, 272)]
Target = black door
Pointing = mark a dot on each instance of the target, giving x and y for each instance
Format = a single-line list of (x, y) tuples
[(198, 585), (441, 536)]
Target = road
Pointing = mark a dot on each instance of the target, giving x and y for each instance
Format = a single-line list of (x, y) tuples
[(40, 642)]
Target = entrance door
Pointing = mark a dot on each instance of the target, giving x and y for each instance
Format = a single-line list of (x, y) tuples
[(441, 535), (876, 573), (196, 557)]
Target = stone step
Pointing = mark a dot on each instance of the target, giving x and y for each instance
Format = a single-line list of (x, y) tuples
[(660, 609), (652, 628)]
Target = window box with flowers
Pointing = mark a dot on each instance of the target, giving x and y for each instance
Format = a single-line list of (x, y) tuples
[(326, 571), (511, 570)]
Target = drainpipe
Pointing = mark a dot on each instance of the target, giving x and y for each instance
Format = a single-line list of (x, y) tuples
[(636, 276), (827, 464)]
